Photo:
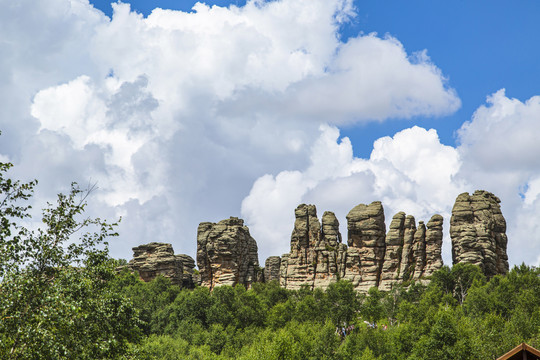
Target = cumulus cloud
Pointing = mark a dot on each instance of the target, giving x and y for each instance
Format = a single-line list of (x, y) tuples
[(176, 115), (499, 148), (411, 172)]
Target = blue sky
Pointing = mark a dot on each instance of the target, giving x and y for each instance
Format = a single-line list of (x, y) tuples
[(197, 112)]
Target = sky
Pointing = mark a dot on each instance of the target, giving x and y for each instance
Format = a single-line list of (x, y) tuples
[(186, 112)]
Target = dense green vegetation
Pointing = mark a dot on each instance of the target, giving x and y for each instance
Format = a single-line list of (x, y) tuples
[(459, 315), (60, 298)]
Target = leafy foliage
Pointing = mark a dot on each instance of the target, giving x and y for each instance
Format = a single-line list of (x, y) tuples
[(459, 315), (55, 298)]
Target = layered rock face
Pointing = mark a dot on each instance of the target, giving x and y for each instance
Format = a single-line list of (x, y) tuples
[(188, 278), (372, 257), (434, 239), (407, 262), (300, 264), (366, 240), (314, 250), (226, 253), (395, 240), (272, 268), (151, 260), (478, 232)]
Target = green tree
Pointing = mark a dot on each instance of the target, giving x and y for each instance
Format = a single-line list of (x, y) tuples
[(372, 306), (55, 302), (342, 302)]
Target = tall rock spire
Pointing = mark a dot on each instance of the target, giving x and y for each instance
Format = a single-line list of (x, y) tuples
[(478, 232)]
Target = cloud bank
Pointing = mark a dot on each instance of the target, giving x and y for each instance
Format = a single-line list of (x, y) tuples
[(413, 172), (188, 117)]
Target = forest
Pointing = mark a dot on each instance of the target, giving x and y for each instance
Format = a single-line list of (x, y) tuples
[(61, 298)]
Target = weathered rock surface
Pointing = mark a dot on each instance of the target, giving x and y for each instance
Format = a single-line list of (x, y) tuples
[(478, 232), (151, 260), (366, 240), (188, 263), (272, 268), (300, 263), (226, 253), (390, 273), (434, 239), (407, 263), (314, 256), (326, 252), (373, 258), (419, 251)]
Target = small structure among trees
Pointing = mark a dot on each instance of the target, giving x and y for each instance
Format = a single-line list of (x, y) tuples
[(521, 352)]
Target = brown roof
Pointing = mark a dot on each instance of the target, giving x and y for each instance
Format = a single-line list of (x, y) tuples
[(521, 352)]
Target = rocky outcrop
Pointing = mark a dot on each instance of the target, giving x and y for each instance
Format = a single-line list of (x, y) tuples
[(419, 251), (407, 262), (188, 264), (272, 268), (226, 253), (313, 259), (151, 260), (372, 257), (434, 239), (326, 252), (366, 240), (391, 268), (300, 264), (478, 232)]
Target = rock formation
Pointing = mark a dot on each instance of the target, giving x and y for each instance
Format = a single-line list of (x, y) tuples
[(314, 250), (327, 252), (300, 264), (372, 257), (390, 273), (226, 253), (272, 268), (151, 260), (188, 263), (366, 240), (407, 262), (419, 251), (434, 238), (478, 232)]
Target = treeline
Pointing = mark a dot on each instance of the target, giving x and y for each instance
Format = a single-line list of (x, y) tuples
[(459, 315)]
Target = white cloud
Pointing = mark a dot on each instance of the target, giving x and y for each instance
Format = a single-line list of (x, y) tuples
[(502, 135), (177, 114), (499, 148), (411, 172), (115, 118)]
